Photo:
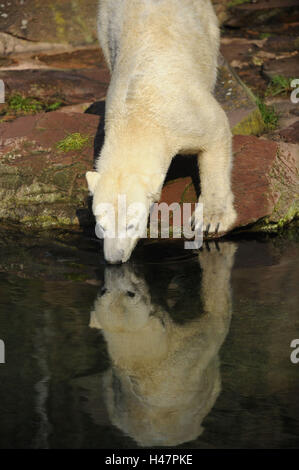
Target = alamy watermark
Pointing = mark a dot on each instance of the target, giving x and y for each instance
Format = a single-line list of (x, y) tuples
[(165, 221), (2, 352), (294, 97), (2, 92), (295, 354)]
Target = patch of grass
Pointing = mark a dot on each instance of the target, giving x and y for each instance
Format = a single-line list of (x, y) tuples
[(269, 115), (279, 85), (234, 3), (28, 105), (19, 104), (53, 106), (75, 141)]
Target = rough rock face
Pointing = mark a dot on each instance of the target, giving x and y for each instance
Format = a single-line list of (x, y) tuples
[(69, 87), (25, 24), (290, 133), (58, 21), (43, 187), (265, 183)]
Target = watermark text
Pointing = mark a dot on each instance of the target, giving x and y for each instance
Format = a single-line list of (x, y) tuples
[(295, 93), (295, 354), (2, 92), (162, 220), (2, 352)]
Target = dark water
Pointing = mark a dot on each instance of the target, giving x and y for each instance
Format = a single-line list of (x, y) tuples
[(175, 349)]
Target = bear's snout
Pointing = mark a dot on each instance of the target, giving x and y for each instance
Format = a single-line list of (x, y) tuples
[(118, 250), (115, 256)]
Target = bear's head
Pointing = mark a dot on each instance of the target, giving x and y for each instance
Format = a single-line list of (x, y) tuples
[(121, 206)]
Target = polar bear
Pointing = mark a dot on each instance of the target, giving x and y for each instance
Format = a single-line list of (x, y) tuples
[(162, 55), (165, 375)]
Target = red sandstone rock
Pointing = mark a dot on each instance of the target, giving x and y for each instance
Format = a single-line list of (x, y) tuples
[(291, 133), (264, 180), (70, 87)]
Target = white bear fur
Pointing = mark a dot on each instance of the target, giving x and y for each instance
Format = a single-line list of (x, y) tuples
[(162, 55)]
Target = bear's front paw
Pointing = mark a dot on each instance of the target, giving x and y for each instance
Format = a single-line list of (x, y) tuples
[(214, 219)]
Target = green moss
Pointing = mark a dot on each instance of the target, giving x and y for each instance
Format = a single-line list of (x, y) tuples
[(60, 23), (45, 221), (234, 3), (253, 124), (62, 179), (75, 141), (279, 85), (9, 177), (293, 213), (77, 17), (282, 214), (269, 225), (38, 199)]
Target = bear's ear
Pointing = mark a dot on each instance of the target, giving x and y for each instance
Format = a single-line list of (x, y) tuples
[(92, 179), (94, 322)]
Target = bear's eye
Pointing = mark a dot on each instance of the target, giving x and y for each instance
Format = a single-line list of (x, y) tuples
[(131, 294), (103, 291)]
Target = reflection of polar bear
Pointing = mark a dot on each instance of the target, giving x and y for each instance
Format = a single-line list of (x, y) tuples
[(165, 376), (162, 55)]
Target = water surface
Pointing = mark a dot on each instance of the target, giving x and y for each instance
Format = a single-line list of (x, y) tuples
[(174, 349)]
